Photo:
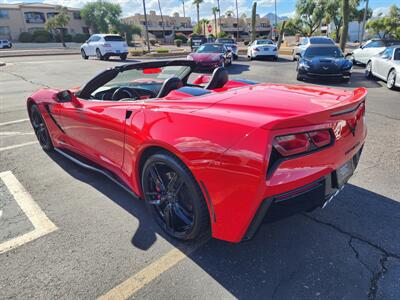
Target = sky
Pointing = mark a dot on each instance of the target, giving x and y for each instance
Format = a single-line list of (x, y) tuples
[(130, 7)]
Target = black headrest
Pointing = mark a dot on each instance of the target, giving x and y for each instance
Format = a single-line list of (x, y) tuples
[(218, 79), (170, 84)]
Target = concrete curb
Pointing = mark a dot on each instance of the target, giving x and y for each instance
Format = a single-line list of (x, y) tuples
[(38, 54), (2, 63)]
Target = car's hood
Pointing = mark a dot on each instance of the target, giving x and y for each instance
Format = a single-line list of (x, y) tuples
[(204, 56)]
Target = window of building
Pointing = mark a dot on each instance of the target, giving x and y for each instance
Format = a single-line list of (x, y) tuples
[(264, 25), (4, 30), (85, 30), (77, 15), (51, 14), (35, 17), (3, 14)]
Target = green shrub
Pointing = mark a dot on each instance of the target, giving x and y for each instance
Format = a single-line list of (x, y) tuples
[(41, 36), (80, 38), (162, 50), (153, 42), (67, 38), (25, 37), (137, 52), (178, 42), (182, 37)]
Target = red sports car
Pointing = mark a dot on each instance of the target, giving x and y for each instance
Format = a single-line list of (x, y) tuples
[(211, 55), (207, 154)]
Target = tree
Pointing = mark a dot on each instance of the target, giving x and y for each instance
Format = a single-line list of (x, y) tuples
[(345, 27), (183, 6), (309, 15), (101, 15), (128, 30), (197, 3), (388, 26), (295, 26), (162, 20), (253, 21), (359, 17), (229, 13), (59, 22), (204, 22), (214, 11)]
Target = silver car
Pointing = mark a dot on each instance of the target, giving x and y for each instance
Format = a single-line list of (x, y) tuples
[(307, 42), (385, 66)]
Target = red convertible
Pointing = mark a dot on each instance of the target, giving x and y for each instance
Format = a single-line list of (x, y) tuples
[(207, 154)]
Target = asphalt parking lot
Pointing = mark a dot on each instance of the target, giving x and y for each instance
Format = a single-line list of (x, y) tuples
[(69, 233)]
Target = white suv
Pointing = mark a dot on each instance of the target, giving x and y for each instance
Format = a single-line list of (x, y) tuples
[(105, 45), (369, 49), (5, 44)]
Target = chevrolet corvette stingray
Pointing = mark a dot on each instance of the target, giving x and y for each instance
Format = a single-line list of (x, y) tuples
[(208, 154)]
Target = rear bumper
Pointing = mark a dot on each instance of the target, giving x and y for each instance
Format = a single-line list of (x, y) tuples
[(302, 199), (265, 55), (113, 53)]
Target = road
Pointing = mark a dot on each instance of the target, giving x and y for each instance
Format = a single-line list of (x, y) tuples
[(102, 238)]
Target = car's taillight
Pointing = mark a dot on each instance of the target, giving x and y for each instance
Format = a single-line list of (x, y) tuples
[(106, 45), (298, 143)]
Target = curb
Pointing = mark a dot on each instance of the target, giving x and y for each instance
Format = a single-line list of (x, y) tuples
[(38, 54), (2, 63)]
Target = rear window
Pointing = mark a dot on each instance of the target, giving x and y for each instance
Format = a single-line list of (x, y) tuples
[(391, 43), (321, 41), (114, 38), (225, 41)]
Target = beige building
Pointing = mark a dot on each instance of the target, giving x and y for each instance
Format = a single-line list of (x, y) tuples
[(174, 23), (230, 25), (28, 17)]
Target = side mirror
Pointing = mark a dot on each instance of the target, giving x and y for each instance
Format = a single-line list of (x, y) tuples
[(87, 42), (68, 96)]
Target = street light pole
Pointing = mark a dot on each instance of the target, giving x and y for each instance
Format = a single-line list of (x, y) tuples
[(364, 20), (146, 26), (183, 4), (276, 20), (237, 21)]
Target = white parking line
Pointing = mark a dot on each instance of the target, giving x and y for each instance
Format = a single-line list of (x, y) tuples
[(13, 133), (13, 122), (133, 284), (18, 146), (41, 223)]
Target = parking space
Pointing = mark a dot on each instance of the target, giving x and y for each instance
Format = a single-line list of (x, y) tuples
[(106, 245)]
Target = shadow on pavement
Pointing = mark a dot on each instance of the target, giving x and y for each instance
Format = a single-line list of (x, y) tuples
[(335, 253)]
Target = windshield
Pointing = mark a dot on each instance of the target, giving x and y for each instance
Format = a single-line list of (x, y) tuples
[(226, 41), (114, 38), (396, 54), (264, 42), (323, 51), (210, 49), (150, 78)]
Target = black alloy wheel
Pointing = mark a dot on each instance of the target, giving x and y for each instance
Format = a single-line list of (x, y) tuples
[(83, 54), (39, 126), (174, 197)]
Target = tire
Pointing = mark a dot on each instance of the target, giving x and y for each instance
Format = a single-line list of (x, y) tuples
[(39, 126), (174, 198), (368, 70), (99, 55), (391, 79), (345, 80), (83, 54), (299, 77), (123, 57)]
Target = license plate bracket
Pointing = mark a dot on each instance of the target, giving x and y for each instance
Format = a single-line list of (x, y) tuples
[(343, 173)]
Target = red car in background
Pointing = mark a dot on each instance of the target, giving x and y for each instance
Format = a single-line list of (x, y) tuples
[(211, 154), (211, 55)]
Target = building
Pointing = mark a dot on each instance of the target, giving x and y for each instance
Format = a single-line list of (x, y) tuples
[(174, 23), (229, 25), (28, 17)]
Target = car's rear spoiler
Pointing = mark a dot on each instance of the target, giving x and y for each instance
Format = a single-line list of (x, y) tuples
[(348, 106)]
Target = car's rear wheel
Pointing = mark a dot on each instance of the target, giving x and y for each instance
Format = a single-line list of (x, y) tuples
[(391, 80), (39, 126), (299, 77), (368, 70), (99, 55), (174, 197), (83, 54)]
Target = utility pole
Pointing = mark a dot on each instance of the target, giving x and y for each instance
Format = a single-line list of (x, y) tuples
[(146, 26), (364, 20), (276, 22), (237, 21), (183, 4)]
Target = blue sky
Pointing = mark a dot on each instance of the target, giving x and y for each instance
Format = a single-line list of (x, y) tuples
[(284, 7)]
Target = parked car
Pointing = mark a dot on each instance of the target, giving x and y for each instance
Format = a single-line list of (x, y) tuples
[(5, 44), (323, 62), (307, 42), (231, 44), (103, 46), (217, 159), (211, 55), (385, 66), (196, 41), (372, 47), (262, 49)]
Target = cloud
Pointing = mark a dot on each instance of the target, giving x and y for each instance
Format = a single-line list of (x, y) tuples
[(380, 10), (289, 14)]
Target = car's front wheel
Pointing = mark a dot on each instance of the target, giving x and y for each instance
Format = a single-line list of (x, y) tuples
[(83, 54), (174, 197), (39, 126), (391, 80), (368, 70)]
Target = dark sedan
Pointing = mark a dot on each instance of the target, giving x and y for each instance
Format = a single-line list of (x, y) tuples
[(324, 62)]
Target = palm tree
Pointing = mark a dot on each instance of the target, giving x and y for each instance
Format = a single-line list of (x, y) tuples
[(204, 22), (237, 20), (219, 15), (229, 13), (59, 22), (183, 5), (162, 20), (214, 11), (345, 27), (197, 3), (253, 21)]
